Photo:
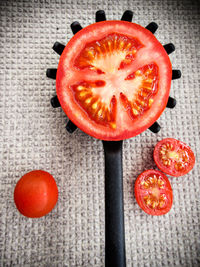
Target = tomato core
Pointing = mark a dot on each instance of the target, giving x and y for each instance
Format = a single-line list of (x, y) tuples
[(153, 185)]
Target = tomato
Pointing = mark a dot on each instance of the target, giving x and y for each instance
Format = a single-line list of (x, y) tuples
[(173, 157), (113, 79), (153, 192), (36, 194)]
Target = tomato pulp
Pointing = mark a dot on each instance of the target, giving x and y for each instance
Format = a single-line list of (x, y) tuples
[(113, 79), (173, 157), (153, 192)]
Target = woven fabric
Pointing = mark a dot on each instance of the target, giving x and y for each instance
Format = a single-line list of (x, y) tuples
[(33, 136)]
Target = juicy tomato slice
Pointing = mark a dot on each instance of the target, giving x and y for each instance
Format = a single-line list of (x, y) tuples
[(153, 192), (113, 79), (173, 157), (36, 194)]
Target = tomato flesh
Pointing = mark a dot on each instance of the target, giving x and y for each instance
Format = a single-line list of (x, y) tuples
[(153, 192), (36, 194), (113, 79), (174, 157), (109, 54)]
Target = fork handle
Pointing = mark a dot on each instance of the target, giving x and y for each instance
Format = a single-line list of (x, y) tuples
[(114, 211)]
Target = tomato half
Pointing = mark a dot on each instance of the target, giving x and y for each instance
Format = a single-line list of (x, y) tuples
[(113, 79), (153, 192), (173, 157), (36, 194)]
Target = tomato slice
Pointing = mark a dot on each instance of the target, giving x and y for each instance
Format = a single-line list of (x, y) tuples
[(173, 157), (113, 79), (153, 192)]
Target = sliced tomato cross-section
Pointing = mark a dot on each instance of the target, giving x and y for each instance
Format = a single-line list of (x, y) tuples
[(153, 192), (174, 157), (113, 79)]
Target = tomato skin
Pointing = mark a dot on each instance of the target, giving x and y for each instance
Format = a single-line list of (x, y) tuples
[(36, 194), (177, 146), (126, 128), (139, 193)]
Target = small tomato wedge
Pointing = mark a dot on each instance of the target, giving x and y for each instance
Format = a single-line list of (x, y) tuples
[(36, 194), (153, 192), (173, 157), (113, 79)]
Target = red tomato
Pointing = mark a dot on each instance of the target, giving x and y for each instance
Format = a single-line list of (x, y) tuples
[(153, 192), (36, 194), (173, 157), (113, 79)]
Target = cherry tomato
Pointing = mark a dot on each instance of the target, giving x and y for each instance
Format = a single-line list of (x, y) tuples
[(113, 79), (173, 157), (36, 194), (153, 192)]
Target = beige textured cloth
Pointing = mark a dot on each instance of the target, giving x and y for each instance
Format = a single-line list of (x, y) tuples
[(33, 136)]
